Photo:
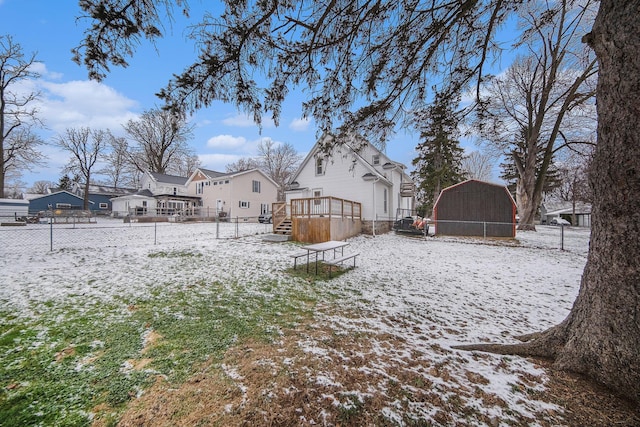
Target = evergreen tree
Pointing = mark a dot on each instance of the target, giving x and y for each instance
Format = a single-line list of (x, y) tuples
[(65, 182), (439, 161)]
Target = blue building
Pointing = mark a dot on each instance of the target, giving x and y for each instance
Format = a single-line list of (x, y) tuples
[(60, 200)]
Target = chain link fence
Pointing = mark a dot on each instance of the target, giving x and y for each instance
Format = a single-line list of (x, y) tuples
[(47, 235)]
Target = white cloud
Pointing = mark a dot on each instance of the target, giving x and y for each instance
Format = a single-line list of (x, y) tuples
[(300, 125), (245, 121), (226, 142), (239, 120), (217, 162), (84, 103)]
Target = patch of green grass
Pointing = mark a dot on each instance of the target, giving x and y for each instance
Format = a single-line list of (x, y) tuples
[(71, 360)]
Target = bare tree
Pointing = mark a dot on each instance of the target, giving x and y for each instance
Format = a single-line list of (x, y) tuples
[(243, 164), (385, 50), (544, 102), (186, 165), (478, 165), (42, 187), (159, 141), (18, 143), (278, 161), (573, 172), (86, 147), (119, 170)]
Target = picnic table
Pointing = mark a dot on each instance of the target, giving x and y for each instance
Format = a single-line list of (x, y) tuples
[(320, 248)]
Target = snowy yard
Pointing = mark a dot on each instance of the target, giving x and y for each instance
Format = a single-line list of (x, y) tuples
[(372, 346)]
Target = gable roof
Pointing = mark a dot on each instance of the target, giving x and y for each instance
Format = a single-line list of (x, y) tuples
[(213, 175), (42, 196), (354, 145), (469, 181), (168, 179)]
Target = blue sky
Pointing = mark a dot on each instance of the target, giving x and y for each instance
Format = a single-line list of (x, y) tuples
[(222, 135)]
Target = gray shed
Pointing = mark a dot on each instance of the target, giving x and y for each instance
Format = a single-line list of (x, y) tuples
[(475, 208)]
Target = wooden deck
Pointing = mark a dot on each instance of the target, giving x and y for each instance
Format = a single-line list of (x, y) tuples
[(314, 220)]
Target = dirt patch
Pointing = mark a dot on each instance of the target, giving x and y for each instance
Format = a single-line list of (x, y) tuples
[(150, 340), (63, 354), (314, 376)]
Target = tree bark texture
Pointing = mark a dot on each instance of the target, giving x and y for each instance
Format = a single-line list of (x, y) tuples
[(603, 339), (601, 336)]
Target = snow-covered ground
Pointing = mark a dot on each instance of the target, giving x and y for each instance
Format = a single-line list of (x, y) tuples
[(428, 293)]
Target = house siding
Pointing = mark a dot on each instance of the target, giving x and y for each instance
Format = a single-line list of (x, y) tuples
[(231, 190), (342, 178), (52, 200)]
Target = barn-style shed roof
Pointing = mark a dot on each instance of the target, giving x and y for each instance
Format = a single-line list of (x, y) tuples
[(475, 208)]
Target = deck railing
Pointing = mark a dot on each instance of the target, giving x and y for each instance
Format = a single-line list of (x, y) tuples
[(326, 207)]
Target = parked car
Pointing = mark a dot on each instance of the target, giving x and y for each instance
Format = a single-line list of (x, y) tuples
[(265, 218), (559, 221)]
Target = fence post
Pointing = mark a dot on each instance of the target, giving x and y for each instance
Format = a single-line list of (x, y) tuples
[(484, 229), (217, 226), (155, 233), (562, 237), (51, 233), (237, 226)]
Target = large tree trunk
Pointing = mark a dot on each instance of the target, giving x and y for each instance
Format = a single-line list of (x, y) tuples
[(526, 207), (604, 324), (601, 335)]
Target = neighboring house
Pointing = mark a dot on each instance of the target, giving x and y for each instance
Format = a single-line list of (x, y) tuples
[(58, 201), (355, 171), (475, 208), (101, 196), (138, 204), (160, 195), (245, 194), (567, 210)]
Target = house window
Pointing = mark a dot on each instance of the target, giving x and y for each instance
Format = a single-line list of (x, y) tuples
[(226, 181), (316, 195), (376, 159), (255, 186), (175, 191), (63, 205), (384, 200), (243, 204), (104, 206), (264, 208), (199, 187), (319, 166)]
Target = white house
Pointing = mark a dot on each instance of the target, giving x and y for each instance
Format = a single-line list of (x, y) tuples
[(245, 194), (160, 194), (355, 170)]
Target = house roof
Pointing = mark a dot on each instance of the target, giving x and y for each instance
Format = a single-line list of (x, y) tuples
[(108, 190), (559, 208), (168, 179), (211, 174), (146, 194), (506, 190), (42, 196)]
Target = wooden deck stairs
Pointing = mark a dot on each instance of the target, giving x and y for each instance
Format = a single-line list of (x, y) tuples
[(284, 227)]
